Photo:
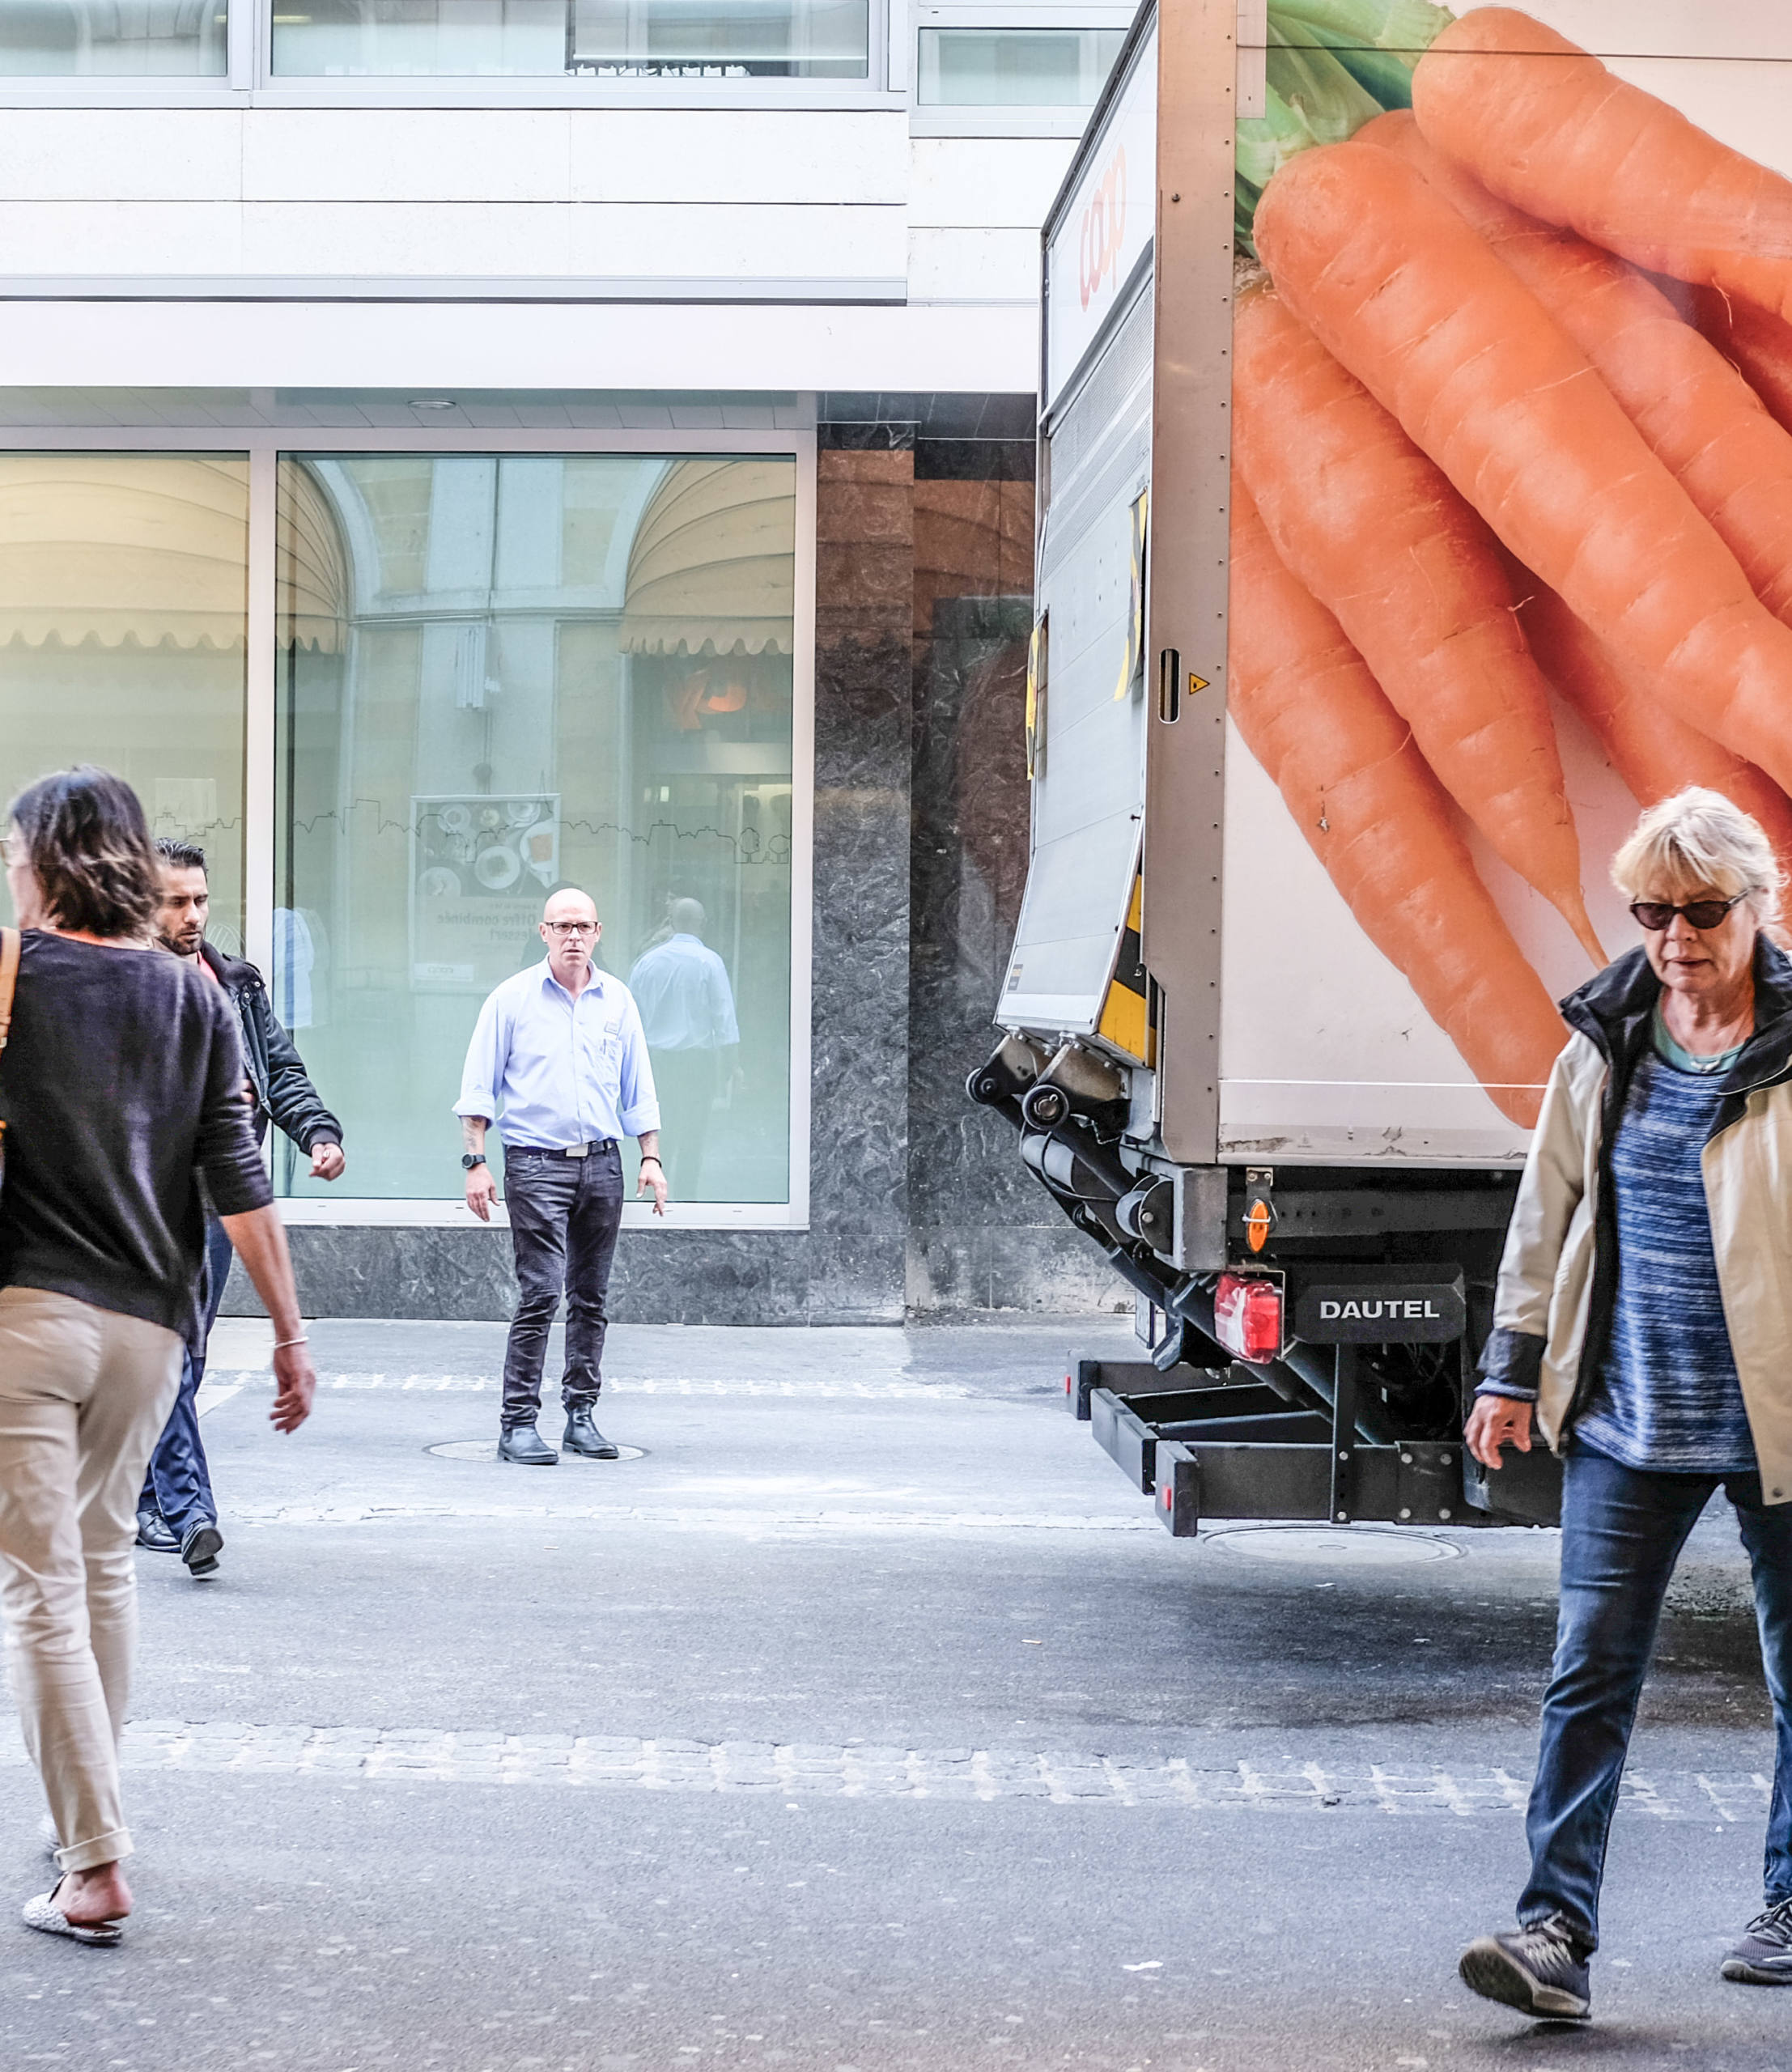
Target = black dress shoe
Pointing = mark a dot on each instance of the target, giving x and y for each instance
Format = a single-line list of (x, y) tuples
[(525, 1445), (153, 1532), (201, 1549), (583, 1436)]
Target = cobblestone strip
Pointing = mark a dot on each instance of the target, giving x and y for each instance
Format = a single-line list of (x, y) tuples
[(800, 1770), (892, 1391)]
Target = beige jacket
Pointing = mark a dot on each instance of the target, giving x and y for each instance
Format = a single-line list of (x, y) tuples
[(1551, 1277)]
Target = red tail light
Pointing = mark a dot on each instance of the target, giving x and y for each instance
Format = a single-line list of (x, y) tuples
[(1247, 1317)]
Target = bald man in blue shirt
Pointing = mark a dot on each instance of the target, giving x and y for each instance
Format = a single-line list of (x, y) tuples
[(559, 1061)]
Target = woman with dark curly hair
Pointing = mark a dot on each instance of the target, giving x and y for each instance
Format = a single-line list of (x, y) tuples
[(122, 1084)]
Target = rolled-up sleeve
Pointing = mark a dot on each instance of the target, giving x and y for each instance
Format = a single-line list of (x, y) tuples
[(484, 1071), (224, 1149), (637, 1105)]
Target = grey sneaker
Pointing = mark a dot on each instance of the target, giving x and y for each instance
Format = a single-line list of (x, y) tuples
[(1764, 1956), (1540, 1970)]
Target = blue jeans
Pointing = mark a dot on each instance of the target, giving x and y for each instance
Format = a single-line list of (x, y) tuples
[(179, 1482), (1623, 1529)]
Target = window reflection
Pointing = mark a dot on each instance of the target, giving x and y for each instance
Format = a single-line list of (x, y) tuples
[(501, 675), (1015, 67), (124, 600), (611, 38), (117, 39)]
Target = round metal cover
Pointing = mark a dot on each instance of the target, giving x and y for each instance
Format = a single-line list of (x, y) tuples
[(1334, 1546), (487, 1449)]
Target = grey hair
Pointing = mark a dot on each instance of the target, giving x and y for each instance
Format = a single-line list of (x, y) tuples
[(1700, 837)]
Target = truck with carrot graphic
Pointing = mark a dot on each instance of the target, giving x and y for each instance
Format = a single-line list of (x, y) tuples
[(1415, 504)]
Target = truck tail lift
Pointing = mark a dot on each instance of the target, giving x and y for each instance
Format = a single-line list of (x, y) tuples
[(1315, 1388)]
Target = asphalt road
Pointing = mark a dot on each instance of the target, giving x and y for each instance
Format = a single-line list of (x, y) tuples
[(866, 1720)]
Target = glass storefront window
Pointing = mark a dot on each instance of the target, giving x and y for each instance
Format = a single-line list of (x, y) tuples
[(124, 600), (502, 675), (603, 39), (1015, 67), (113, 39)]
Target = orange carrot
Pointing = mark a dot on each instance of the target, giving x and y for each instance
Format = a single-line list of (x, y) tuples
[(1655, 754), (1545, 125), (1373, 530), (1445, 336), (1758, 345), (1346, 764), (1701, 420)]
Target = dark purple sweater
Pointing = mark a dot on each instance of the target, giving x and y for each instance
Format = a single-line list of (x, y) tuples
[(122, 1083)]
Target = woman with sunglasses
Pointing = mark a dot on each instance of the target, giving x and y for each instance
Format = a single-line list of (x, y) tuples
[(1644, 1324)]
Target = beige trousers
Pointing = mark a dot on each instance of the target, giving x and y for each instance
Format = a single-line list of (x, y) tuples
[(84, 1394)]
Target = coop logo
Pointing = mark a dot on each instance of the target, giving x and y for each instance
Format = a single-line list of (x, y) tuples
[(1103, 230), (1370, 1312)]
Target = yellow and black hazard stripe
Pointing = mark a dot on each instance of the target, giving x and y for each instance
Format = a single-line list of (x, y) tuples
[(1126, 1014)]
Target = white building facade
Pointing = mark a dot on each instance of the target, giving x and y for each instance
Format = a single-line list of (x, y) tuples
[(450, 448)]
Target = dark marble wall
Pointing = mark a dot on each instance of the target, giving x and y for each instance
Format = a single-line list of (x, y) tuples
[(918, 1201), (982, 1233)]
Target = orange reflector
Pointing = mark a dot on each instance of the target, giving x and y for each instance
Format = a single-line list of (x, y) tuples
[(1260, 1220)]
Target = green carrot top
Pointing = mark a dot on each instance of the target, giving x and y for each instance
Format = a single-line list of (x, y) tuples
[(1330, 65)]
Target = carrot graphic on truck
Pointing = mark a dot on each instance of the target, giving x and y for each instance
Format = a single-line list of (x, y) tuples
[(1488, 446)]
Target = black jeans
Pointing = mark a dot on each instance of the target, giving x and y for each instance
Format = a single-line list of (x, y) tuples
[(564, 1215), (1623, 1529)]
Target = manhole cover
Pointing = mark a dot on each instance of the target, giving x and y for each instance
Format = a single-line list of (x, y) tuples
[(487, 1449), (1334, 1546)]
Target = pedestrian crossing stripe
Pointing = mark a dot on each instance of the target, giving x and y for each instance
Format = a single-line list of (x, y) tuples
[(1125, 1019)]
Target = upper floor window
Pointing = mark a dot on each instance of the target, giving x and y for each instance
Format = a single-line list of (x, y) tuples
[(586, 39), (1014, 67), (113, 39)]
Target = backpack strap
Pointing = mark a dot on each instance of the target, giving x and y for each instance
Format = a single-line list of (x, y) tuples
[(10, 940)]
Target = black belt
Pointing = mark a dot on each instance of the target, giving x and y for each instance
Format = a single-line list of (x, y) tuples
[(569, 1150)]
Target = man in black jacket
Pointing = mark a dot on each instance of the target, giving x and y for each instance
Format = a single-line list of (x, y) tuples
[(176, 1512)]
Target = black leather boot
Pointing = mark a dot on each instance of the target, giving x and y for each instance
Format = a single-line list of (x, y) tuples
[(525, 1445), (583, 1436)]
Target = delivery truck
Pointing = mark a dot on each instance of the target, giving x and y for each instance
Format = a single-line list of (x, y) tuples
[(1398, 364)]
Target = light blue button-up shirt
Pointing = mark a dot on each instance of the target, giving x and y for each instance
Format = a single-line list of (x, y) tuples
[(553, 1071), (681, 987)]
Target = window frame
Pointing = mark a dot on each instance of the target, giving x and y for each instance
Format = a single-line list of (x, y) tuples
[(265, 447), (249, 81), (966, 120)]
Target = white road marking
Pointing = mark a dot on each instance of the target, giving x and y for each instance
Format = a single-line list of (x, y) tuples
[(865, 1770), (641, 1385), (707, 1519), (213, 1395)]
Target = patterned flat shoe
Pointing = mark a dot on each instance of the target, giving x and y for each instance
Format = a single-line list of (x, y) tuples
[(45, 1915)]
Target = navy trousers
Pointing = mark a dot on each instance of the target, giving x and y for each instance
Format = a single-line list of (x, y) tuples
[(1623, 1529), (179, 1482)]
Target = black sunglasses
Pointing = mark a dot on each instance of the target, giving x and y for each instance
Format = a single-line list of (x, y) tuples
[(1656, 914)]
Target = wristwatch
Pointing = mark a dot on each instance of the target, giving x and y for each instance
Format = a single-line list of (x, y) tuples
[(470, 1159)]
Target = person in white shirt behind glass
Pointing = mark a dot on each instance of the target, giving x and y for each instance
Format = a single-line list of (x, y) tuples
[(558, 1059), (687, 1009)]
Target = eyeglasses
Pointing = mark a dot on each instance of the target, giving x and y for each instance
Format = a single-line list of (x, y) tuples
[(571, 928), (1656, 914)]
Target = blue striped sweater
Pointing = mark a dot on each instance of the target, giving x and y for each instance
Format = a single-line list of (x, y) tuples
[(1667, 1398)]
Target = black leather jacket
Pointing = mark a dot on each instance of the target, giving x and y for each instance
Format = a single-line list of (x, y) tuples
[(283, 1092)]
